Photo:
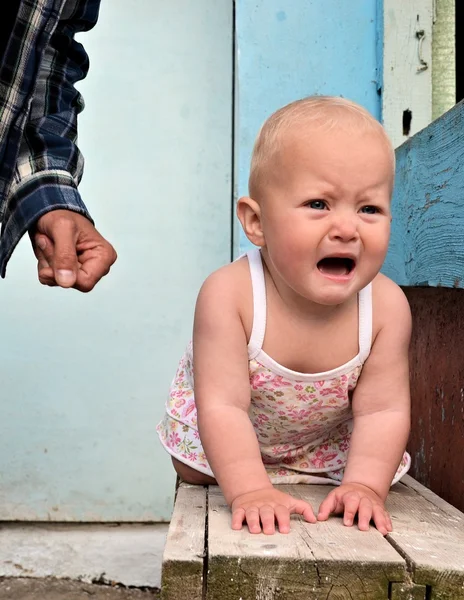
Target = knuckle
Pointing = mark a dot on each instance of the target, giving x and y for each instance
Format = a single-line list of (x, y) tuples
[(251, 509), (353, 496), (64, 221), (47, 281), (86, 285), (108, 250), (67, 251), (85, 288)]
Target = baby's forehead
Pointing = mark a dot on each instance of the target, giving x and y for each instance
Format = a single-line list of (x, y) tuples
[(336, 130), (307, 119), (330, 122), (304, 121)]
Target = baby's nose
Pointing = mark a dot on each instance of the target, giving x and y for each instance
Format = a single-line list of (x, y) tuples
[(344, 228)]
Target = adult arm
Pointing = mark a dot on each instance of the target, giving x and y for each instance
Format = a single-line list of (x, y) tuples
[(43, 197)]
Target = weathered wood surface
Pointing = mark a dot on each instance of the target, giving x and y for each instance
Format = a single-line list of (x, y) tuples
[(434, 499), (407, 591), (183, 558), (444, 57), (426, 247), (423, 559), (430, 535), (406, 81), (437, 390), (322, 561)]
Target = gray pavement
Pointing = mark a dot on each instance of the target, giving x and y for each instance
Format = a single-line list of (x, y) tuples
[(50, 589)]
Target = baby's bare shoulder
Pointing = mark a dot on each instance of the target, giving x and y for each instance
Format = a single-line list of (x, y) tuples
[(390, 305), (228, 288), (230, 279)]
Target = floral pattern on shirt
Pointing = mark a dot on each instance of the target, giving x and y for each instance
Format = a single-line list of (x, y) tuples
[(303, 428)]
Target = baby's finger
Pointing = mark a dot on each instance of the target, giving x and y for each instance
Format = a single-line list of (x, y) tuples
[(282, 515), (389, 522), (382, 520), (303, 508), (252, 519), (267, 516), (328, 506), (364, 514), (238, 516), (351, 502)]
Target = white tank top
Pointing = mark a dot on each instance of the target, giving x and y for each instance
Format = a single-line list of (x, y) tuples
[(303, 421)]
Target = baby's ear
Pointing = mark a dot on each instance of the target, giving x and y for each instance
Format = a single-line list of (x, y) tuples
[(249, 215)]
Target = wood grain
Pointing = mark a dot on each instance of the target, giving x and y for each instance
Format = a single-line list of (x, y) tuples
[(440, 503), (422, 559), (426, 247), (430, 538), (407, 591), (182, 573), (320, 561), (437, 391), (444, 57)]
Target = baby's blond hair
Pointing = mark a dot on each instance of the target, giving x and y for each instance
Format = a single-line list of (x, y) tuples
[(322, 111)]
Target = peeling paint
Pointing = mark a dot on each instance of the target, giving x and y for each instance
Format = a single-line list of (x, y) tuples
[(429, 202)]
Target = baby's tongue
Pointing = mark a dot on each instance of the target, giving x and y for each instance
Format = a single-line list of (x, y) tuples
[(333, 266)]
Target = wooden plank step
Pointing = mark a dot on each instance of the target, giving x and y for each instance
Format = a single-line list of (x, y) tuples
[(321, 561), (422, 559), (429, 533), (183, 557)]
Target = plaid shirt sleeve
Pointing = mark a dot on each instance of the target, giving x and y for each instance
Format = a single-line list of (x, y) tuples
[(49, 165)]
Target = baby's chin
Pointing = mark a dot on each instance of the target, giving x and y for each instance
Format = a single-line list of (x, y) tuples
[(327, 298), (335, 293), (333, 300)]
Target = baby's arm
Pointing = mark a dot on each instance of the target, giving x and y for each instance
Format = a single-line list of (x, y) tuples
[(381, 417), (222, 396)]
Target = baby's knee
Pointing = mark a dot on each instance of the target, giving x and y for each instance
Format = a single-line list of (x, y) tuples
[(189, 475)]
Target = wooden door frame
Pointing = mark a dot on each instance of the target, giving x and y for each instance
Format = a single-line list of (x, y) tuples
[(418, 64)]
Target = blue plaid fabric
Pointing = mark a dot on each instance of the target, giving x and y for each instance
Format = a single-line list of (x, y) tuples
[(40, 164)]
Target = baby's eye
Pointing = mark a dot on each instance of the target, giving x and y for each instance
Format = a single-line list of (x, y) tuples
[(369, 210), (317, 204)]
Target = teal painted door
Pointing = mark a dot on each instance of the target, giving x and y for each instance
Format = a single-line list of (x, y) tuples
[(289, 50), (84, 378)]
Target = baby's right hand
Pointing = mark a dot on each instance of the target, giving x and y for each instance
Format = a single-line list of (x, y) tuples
[(266, 506)]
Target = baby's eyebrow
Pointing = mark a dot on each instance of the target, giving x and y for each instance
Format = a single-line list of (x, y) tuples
[(322, 187)]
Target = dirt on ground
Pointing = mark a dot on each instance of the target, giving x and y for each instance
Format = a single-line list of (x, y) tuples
[(58, 589)]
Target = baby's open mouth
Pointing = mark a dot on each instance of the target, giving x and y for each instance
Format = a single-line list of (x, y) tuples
[(336, 265)]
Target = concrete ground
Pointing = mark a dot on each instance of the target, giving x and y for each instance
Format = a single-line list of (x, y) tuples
[(55, 561), (46, 589)]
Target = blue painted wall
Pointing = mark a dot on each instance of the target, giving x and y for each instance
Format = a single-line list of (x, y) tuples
[(288, 50), (84, 377)]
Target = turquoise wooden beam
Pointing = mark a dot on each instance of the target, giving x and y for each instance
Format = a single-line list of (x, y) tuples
[(427, 242)]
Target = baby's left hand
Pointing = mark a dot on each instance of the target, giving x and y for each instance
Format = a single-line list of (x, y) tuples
[(355, 498)]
